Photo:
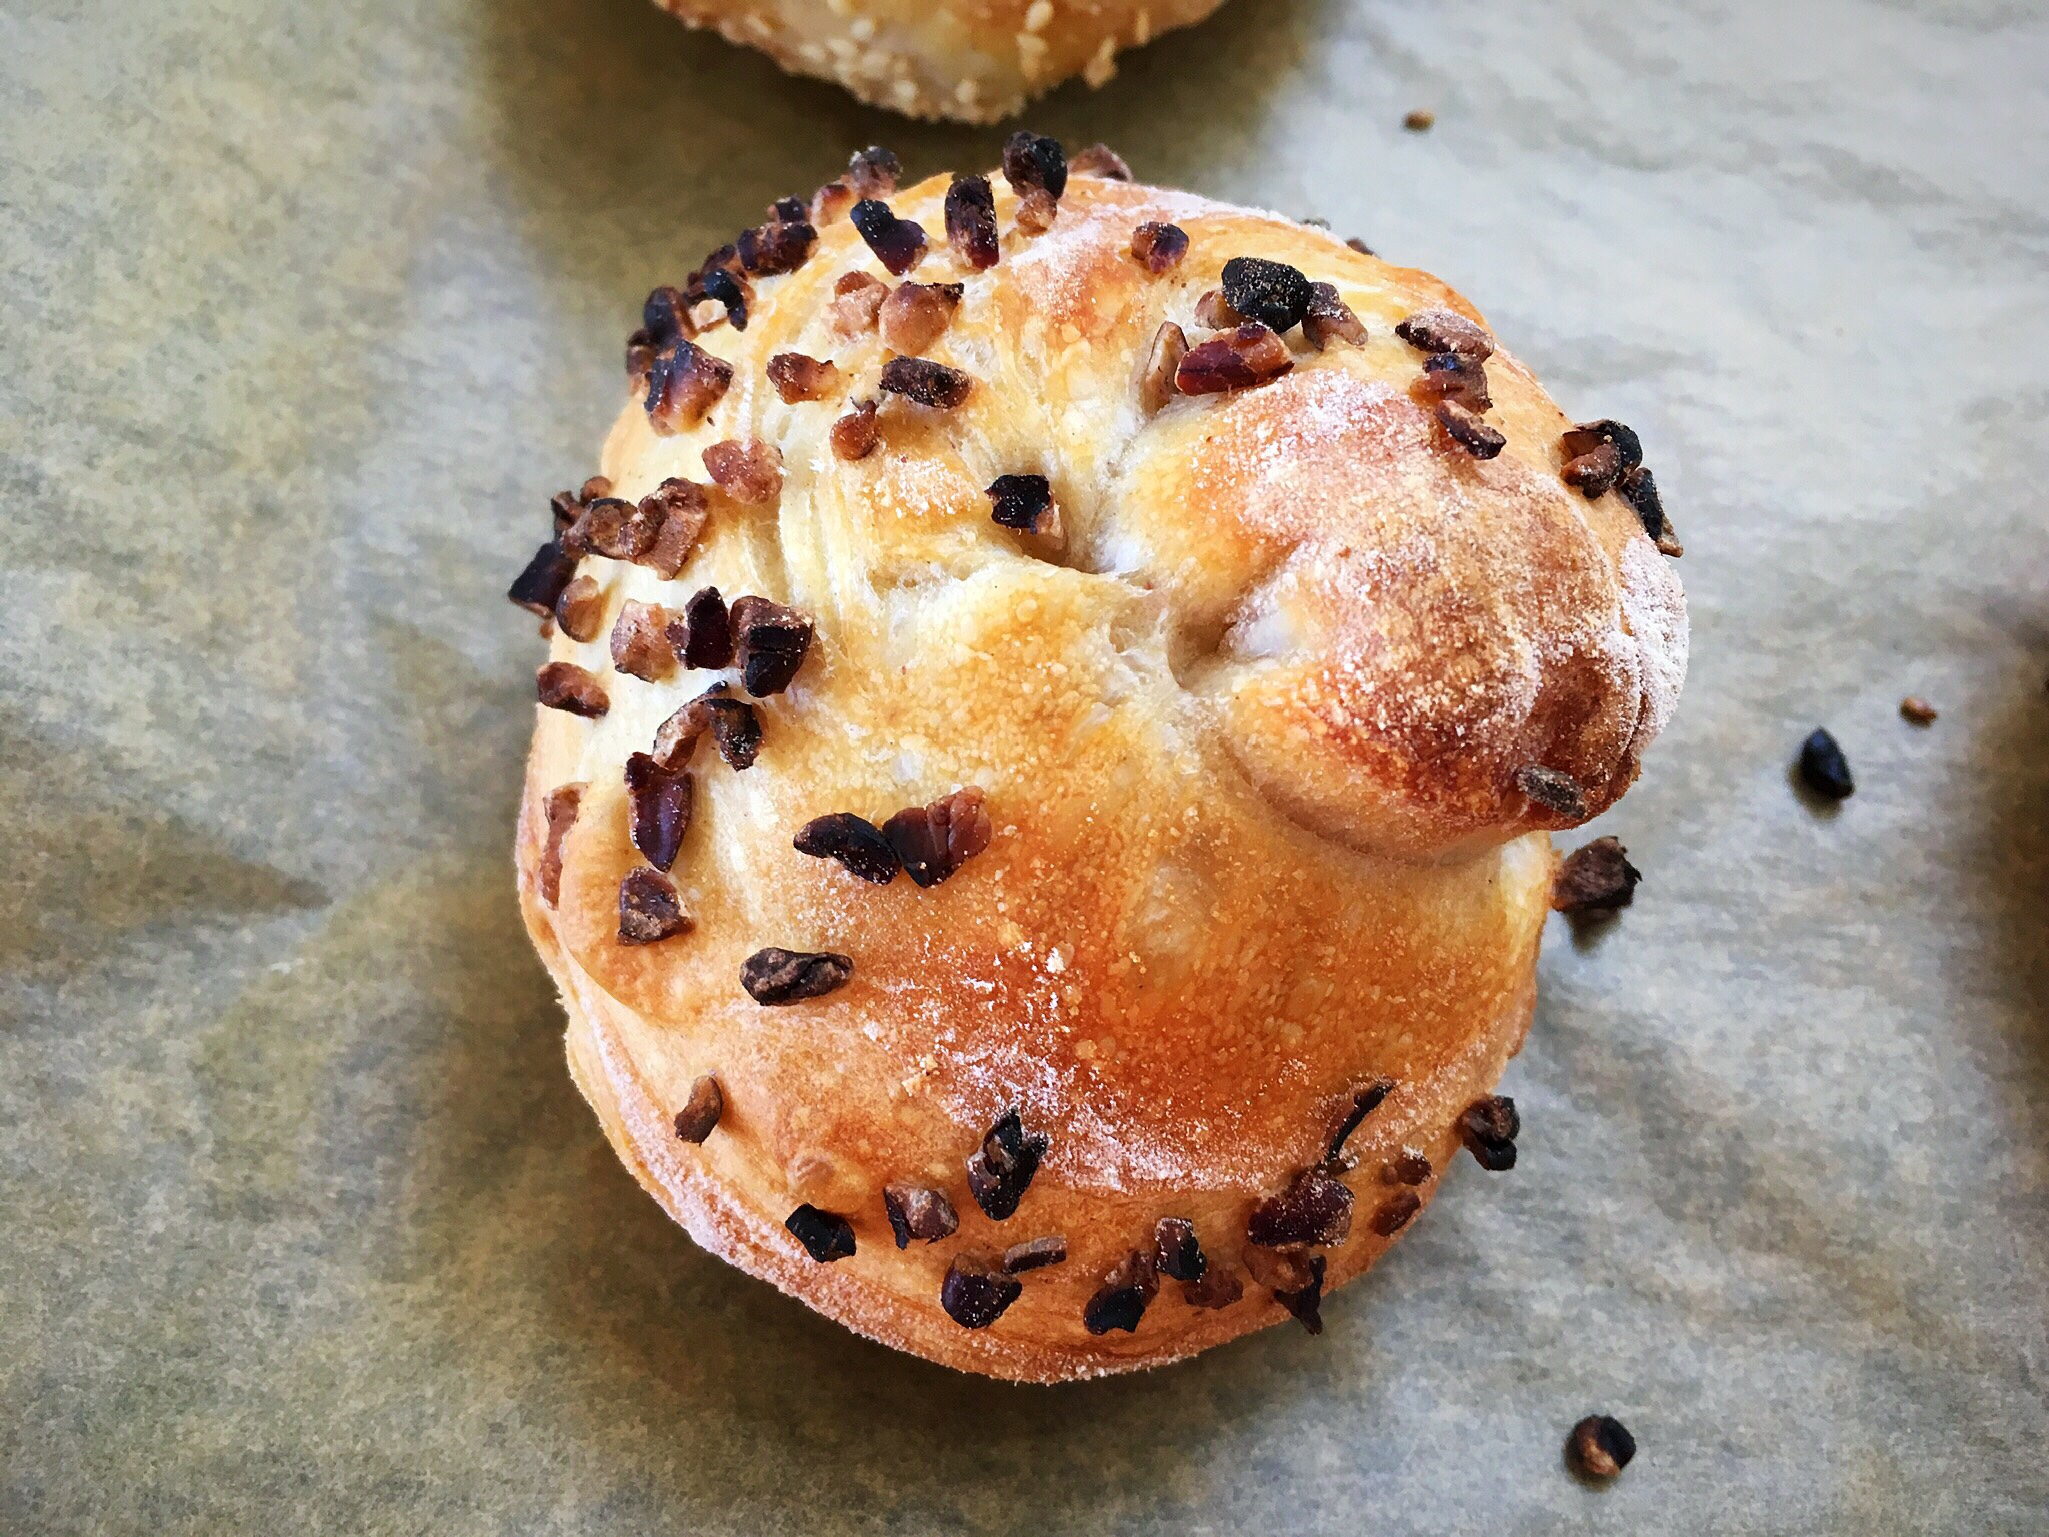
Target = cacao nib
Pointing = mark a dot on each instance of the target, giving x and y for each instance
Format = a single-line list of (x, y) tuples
[(1594, 473), (664, 317), (928, 383), (1306, 1303), (1034, 1254), (855, 435), (1468, 431), (1218, 1288), (1315, 1209), (917, 314), (825, 1235), (1250, 355), (831, 202), (1489, 1127), (734, 726), (770, 643), (1589, 436), (649, 908), (1913, 709), (1358, 245), (1599, 1447), (1553, 789), (1159, 247), (781, 245), (1362, 1102), (920, 1212), (678, 509), (567, 506), (683, 383), (540, 586), (1176, 1251), (799, 378), (1002, 1168), (1419, 120), (1120, 1302), (1270, 292), (976, 1291), (640, 642), (1394, 1213), (788, 210), (1435, 331), (1823, 768), (856, 301), (1447, 376), (1279, 1269), (1595, 878), (1036, 211), (730, 290), (1640, 490), (1330, 319), (1033, 161), (749, 471), (659, 800), (899, 244), (971, 221), (936, 840), (1408, 1167), (774, 975), (1163, 360), (1100, 160), (1211, 310), (1019, 501), (562, 805), (566, 686), (873, 172), (703, 637), (700, 1114), (856, 843), (613, 528)]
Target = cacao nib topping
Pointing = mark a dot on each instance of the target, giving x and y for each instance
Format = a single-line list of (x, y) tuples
[(1250, 355), (540, 586), (561, 807), (917, 314), (920, 1212), (936, 840), (1359, 245), (567, 506), (799, 378), (1330, 319), (1176, 1251), (678, 509), (1036, 211), (1270, 292), (781, 245), (1218, 1288), (1035, 1254), (1640, 490), (1593, 473), (683, 383), (874, 171), (1212, 310), (1553, 789), (700, 1114), (788, 210), (748, 470), (1120, 1302), (1447, 376), (1279, 1269), (899, 244), (1163, 360), (1315, 1209), (703, 637), (1589, 436), (1394, 1213), (1408, 1167), (855, 435), (1100, 160), (1489, 1127), (659, 801), (928, 383), (774, 975), (1823, 768), (731, 291), (726, 258), (1362, 1102), (1033, 161), (1159, 247), (971, 221), (566, 686), (1595, 878), (664, 317), (856, 301), (1306, 1303), (1002, 1168), (1468, 431), (825, 1235), (1019, 501), (1913, 709), (649, 908), (856, 843), (1600, 1446), (640, 642), (615, 529), (735, 728), (831, 202), (1436, 331), (770, 643), (976, 1291)]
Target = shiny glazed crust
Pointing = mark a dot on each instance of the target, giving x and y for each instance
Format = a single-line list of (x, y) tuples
[(1249, 731), (973, 60)]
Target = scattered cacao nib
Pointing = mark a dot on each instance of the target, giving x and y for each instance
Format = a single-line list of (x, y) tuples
[(1033, 161), (1589, 436), (540, 586), (649, 909), (920, 1212), (769, 643), (1595, 878), (1176, 1250), (1158, 247), (725, 259), (781, 245), (640, 641), (1553, 789), (1394, 1213), (1219, 1287), (1279, 1269), (1436, 331), (928, 383), (1121, 1300), (1408, 1167), (659, 801), (1250, 355), (831, 202), (1331, 319), (1913, 709), (855, 435), (1019, 501), (899, 244), (788, 210), (566, 686), (774, 975), (735, 727), (971, 221), (936, 840), (613, 528), (856, 301), (1163, 360), (1419, 120), (1315, 1209), (1036, 212), (678, 509), (664, 318), (856, 843), (1100, 160), (1468, 431), (1362, 1102), (1447, 376), (798, 378), (1600, 1446), (703, 637), (1489, 1127), (748, 470), (873, 172), (976, 1291), (1823, 768), (825, 1235), (916, 315), (1306, 1303), (1002, 1168), (1034, 1254), (567, 506), (1270, 292), (731, 291), (1593, 474), (700, 1114), (1640, 490), (1214, 311), (561, 807), (683, 383), (1359, 245)]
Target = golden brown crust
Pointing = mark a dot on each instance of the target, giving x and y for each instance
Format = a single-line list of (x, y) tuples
[(1249, 745)]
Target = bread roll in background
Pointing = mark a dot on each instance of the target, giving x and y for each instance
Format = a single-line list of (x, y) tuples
[(1157, 639)]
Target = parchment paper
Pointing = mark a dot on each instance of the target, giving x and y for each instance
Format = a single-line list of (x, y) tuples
[(307, 307)]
